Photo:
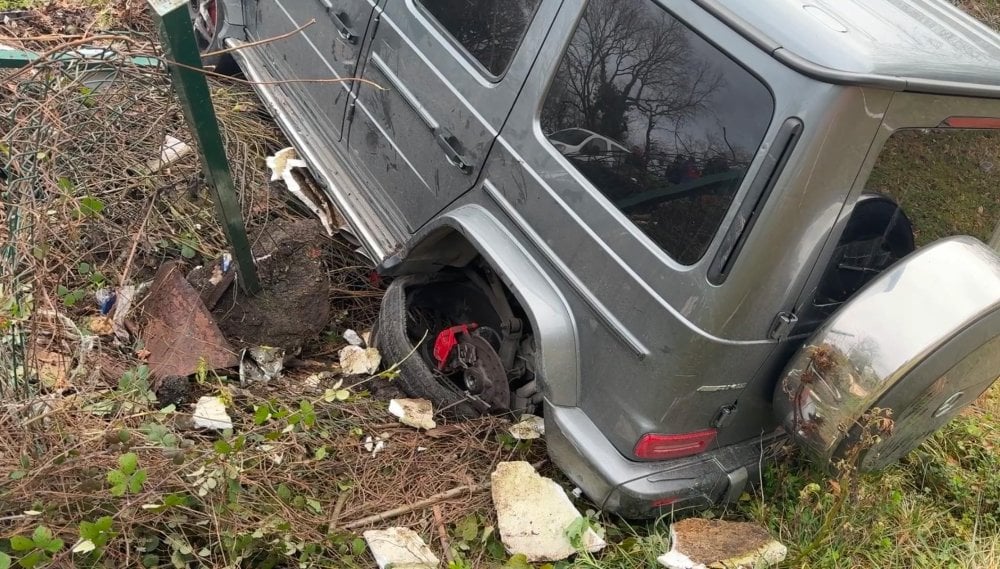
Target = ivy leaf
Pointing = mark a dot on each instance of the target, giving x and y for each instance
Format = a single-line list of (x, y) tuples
[(41, 536), (136, 481), (91, 206), (188, 252), (5, 561), (84, 546), (128, 462), (519, 561), (21, 543)]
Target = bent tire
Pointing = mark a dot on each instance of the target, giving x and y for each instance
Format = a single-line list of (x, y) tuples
[(416, 377)]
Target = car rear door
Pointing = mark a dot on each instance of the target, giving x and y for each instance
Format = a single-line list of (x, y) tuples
[(449, 72), (328, 47)]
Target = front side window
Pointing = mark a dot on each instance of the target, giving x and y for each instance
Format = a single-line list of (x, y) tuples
[(659, 120), (490, 30)]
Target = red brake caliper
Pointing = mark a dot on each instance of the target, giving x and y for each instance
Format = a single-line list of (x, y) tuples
[(446, 341)]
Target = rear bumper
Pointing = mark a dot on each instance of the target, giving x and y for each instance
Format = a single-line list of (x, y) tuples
[(629, 488)]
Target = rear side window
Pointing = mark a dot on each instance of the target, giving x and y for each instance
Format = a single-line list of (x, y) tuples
[(927, 184), (490, 30), (945, 180), (658, 119)]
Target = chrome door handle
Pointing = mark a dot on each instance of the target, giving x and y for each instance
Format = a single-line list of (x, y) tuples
[(450, 145), (343, 29)]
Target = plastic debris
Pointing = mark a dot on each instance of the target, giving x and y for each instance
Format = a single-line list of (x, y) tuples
[(353, 338), (355, 360), (530, 427), (718, 544), (123, 304), (534, 514), (281, 166), (210, 413), (171, 151), (261, 364), (400, 548), (417, 413), (105, 300)]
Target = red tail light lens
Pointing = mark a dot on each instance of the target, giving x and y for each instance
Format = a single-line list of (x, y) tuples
[(664, 447), (972, 122)]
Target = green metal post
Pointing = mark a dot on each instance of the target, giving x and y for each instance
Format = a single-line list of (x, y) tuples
[(177, 35), (14, 58)]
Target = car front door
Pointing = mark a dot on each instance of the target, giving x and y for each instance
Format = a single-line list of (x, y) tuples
[(448, 73), (327, 47)]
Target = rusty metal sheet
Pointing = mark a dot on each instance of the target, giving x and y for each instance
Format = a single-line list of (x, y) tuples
[(180, 332)]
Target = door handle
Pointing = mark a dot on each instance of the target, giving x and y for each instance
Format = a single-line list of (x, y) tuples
[(445, 139), (448, 143), (343, 29)]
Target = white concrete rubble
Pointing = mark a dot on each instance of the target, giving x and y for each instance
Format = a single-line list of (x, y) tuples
[(416, 413), (530, 427), (210, 413), (355, 360), (533, 514), (400, 548)]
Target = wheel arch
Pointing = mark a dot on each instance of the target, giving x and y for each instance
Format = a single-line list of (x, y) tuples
[(461, 235)]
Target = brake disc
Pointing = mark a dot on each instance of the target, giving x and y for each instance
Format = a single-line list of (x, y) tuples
[(483, 372)]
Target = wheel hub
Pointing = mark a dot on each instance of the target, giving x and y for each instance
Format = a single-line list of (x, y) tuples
[(459, 350)]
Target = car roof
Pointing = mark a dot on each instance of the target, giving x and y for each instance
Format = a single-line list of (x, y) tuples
[(914, 45)]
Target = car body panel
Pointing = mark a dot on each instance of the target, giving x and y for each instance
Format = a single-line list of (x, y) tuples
[(919, 45), (433, 100), (630, 340), (314, 52)]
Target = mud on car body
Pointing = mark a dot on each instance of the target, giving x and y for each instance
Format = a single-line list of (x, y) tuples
[(729, 189)]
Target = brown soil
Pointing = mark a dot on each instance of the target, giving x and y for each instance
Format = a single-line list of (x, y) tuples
[(294, 305), (709, 541)]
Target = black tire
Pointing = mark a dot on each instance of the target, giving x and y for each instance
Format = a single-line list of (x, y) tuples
[(416, 377), (212, 38)]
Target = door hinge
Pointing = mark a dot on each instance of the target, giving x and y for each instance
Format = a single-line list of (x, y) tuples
[(783, 325)]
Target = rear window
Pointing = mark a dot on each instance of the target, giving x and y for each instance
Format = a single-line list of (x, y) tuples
[(673, 122), (490, 30)]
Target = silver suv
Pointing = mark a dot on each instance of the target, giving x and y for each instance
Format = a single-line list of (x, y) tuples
[(678, 229)]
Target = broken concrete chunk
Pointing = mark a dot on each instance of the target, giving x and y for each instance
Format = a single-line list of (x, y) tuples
[(533, 514), (718, 544), (530, 427), (353, 338), (400, 548), (417, 413), (355, 360), (210, 413)]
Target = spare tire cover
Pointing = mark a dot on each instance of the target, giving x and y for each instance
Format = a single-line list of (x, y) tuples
[(922, 340)]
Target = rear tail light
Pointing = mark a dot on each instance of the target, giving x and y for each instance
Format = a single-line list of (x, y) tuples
[(972, 122), (653, 446)]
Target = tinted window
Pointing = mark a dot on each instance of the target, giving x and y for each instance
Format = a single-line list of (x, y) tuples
[(489, 29), (677, 121)]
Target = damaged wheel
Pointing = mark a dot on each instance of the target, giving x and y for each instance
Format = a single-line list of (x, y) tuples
[(446, 337)]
